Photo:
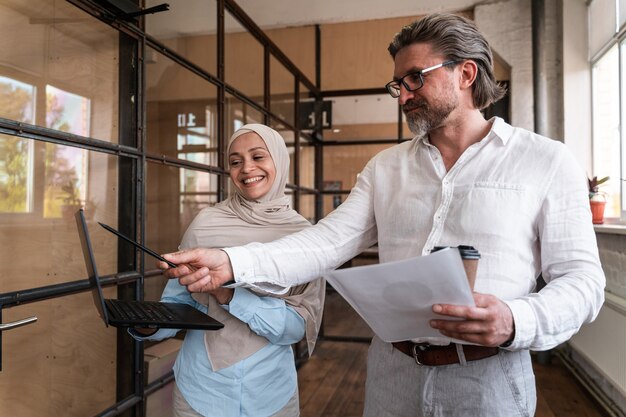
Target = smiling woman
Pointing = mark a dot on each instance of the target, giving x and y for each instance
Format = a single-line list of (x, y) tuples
[(252, 168)]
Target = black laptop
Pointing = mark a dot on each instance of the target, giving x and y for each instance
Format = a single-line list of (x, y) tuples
[(128, 313)]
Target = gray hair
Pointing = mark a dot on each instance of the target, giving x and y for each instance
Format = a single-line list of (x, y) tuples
[(458, 39)]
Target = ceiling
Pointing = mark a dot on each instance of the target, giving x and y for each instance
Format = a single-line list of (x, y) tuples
[(187, 17), (282, 13)]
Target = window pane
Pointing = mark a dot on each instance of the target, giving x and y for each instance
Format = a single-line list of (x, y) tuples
[(332, 201), (54, 239), (307, 207), (307, 164), (65, 179), (363, 118), (342, 164), (243, 56), (289, 138), (238, 114), (606, 136), (281, 91), (16, 175), (62, 365), (67, 112), (195, 39), (181, 113), (52, 50), (17, 100), (177, 195)]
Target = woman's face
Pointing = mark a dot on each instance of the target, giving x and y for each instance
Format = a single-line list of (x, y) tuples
[(251, 166)]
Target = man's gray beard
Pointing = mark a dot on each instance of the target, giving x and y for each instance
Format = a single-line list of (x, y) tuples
[(418, 125), (421, 123)]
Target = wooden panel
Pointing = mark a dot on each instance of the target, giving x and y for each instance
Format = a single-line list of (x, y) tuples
[(354, 55), (298, 44), (343, 163), (62, 365), (362, 132)]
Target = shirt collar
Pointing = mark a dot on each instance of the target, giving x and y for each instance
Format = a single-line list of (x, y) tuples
[(499, 129)]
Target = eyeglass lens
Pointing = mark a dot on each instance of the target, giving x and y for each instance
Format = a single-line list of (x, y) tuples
[(411, 82)]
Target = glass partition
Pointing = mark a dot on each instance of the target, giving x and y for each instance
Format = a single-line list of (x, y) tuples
[(368, 117), (289, 137), (282, 92), (307, 206), (238, 114), (59, 72), (343, 163), (181, 113), (244, 59), (188, 28), (63, 180), (175, 197), (307, 163), (68, 368)]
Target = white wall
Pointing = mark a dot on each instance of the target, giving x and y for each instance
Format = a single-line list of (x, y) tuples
[(576, 82), (507, 27)]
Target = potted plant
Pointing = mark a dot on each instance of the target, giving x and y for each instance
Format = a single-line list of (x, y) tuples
[(597, 199)]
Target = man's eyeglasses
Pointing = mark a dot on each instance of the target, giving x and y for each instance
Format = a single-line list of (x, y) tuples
[(413, 80)]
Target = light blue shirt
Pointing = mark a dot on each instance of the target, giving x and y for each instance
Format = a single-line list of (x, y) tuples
[(257, 386)]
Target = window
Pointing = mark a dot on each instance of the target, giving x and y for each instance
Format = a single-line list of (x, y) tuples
[(606, 127), (65, 167), (17, 102)]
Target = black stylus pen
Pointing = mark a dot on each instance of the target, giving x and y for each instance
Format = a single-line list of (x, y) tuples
[(137, 245)]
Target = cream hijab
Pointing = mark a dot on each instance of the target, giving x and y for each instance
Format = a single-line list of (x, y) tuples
[(237, 221)]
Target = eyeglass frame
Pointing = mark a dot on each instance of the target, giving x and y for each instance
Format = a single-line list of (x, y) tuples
[(420, 73)]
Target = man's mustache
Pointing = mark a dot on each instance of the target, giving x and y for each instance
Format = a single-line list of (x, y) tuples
[(412, 105)]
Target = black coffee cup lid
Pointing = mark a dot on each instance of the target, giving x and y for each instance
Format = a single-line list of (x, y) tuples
[(469, 252), (466, 251)]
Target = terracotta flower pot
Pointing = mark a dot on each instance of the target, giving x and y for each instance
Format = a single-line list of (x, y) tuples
[(597, 211)]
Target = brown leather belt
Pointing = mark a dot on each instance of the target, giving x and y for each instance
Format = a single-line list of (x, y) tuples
[(432, 355)]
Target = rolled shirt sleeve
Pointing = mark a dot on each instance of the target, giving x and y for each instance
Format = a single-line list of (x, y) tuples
[(269, 317)]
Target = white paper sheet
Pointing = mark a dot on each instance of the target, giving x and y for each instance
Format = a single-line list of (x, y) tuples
[(396, 298)]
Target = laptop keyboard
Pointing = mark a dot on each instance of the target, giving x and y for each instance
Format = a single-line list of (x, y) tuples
[(144, 310)]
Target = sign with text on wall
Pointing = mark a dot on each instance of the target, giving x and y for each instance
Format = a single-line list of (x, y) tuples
[(191, 119), (306, 118)]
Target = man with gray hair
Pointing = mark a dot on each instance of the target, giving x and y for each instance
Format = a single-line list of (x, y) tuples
[(519, 198)]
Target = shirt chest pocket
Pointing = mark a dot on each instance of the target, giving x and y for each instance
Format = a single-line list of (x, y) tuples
[(495, 208)]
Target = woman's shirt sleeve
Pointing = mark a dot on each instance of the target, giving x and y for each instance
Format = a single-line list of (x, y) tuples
[(269, 317)]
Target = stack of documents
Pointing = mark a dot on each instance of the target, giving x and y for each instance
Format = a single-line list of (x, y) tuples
[(396, 298)]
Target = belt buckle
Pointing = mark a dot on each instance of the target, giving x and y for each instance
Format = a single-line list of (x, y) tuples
[(415, 350)]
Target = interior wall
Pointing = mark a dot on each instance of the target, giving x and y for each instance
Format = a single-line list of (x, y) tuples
[(507, 27), (354, 54), (577, 82)]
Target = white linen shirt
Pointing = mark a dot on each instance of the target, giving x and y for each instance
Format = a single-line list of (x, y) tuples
[(519, 198)]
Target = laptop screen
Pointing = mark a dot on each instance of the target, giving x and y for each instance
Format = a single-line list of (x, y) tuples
[(90, 263)]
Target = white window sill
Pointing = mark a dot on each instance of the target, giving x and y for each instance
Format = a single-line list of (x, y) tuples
[(613, 226)]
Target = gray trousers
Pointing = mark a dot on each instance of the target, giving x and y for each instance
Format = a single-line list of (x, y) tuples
[(182, 409), (502, 385)]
